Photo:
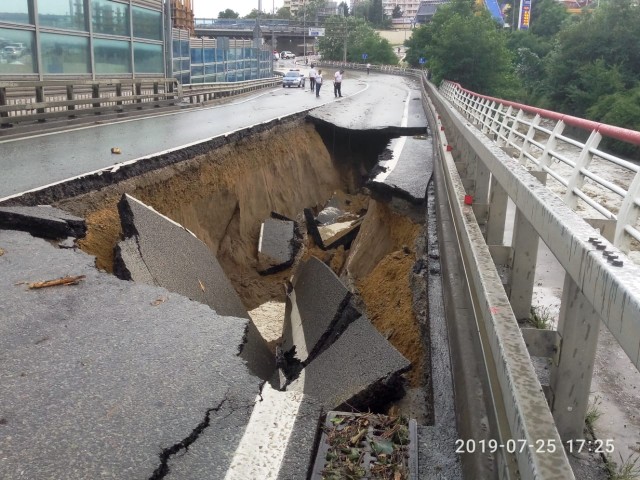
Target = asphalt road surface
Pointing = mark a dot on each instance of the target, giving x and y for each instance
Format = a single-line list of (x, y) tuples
[(38, 160)]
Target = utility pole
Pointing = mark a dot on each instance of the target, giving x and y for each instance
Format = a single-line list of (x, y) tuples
[(344, 57), (304, 29)]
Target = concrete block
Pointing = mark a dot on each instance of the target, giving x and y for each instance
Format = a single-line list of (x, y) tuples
[(361, 370), (318, 310), (277, 245), (158, 251), (42, 221), (342, 233)]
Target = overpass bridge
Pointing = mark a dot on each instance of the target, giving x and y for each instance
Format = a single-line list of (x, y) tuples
[(289, 32), (487, 154)]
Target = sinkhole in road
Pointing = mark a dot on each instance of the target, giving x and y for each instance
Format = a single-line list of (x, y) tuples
[(223, 195)]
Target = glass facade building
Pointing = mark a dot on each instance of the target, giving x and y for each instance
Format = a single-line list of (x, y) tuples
[(94, 39), (48, 39)]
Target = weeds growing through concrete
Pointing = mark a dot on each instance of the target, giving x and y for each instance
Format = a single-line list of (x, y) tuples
[(540, 317), (628, 469), (593, 413)]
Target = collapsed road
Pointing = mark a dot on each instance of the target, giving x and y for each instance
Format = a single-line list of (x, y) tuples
[(152, 363)]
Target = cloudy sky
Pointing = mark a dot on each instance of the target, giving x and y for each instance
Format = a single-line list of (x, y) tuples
[(211, 8)]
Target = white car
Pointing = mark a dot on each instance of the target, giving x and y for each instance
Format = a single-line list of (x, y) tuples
[(286, 54)]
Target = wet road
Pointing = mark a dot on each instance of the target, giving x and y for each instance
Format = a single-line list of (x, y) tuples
[(38, 160)]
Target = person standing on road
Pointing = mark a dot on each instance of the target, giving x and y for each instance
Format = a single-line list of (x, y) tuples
[(318, 82), (312, 77), (368, 68), (337, 83)]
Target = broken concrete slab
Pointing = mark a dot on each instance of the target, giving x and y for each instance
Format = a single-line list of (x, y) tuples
[(342, 233), (361, 370), (312, 226), (318, 310), (159, 251), (276, 246), (407, 169), (42, 221), (101, 377)]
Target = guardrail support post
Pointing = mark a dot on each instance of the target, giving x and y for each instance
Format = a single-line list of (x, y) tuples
[(156, 91), (138, 90), (498, 200), (119, 93), (579, 327), (70, 108), (3, 101), (525, 256), (95, 93), (40, 99)]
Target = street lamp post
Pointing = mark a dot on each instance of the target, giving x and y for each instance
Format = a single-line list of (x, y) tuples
[(304, 30)]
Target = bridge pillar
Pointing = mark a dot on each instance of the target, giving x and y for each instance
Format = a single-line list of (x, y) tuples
[(498, 200), (525, 256), (578, 326), (481, 194)]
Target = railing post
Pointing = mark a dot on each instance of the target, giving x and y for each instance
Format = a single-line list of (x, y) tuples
[(40, 99), (156, 90), (627, 215), (119, 93), (95, 93), (577, 178), (138, 90), (70, 108), (525, 256), (3, 101), (578, 326)]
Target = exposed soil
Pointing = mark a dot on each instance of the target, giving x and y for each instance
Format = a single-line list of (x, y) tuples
[(225, 194)]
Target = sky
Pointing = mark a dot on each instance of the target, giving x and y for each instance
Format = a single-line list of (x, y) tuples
[(211, 8)]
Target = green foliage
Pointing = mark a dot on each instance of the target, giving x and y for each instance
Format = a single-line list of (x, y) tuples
[(397, 12), (228, 13), (466, 46), (621, 109), (548, 18), (309, 10), (361, 38), (283, 12), (610, 35)]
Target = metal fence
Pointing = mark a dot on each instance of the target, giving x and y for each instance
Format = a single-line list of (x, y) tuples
[(605, 187)]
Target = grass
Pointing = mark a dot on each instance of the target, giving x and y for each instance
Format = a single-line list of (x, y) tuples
[(628, 469), (593, 413), (540, 317)]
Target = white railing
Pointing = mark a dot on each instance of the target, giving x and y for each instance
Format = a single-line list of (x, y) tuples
[(593, 182)]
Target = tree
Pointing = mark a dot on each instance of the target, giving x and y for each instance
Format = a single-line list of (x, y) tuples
[(604, 45), (360, 37), (283, 12), (548, 17), (466, 46), (376, 13), (343, 9), (397, 12), (228, 13)]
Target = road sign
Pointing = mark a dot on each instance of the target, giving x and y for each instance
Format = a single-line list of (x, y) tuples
[(316, 32), (422, 60), (364, 56)]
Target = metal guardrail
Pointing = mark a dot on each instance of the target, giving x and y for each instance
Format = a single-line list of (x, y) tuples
[(389, 69), (22, 101), (199, 92), (28, 101), (573, 160)]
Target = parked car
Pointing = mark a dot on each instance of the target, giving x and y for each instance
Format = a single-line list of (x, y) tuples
[(293, 78), (286, 54), (11, 52)]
